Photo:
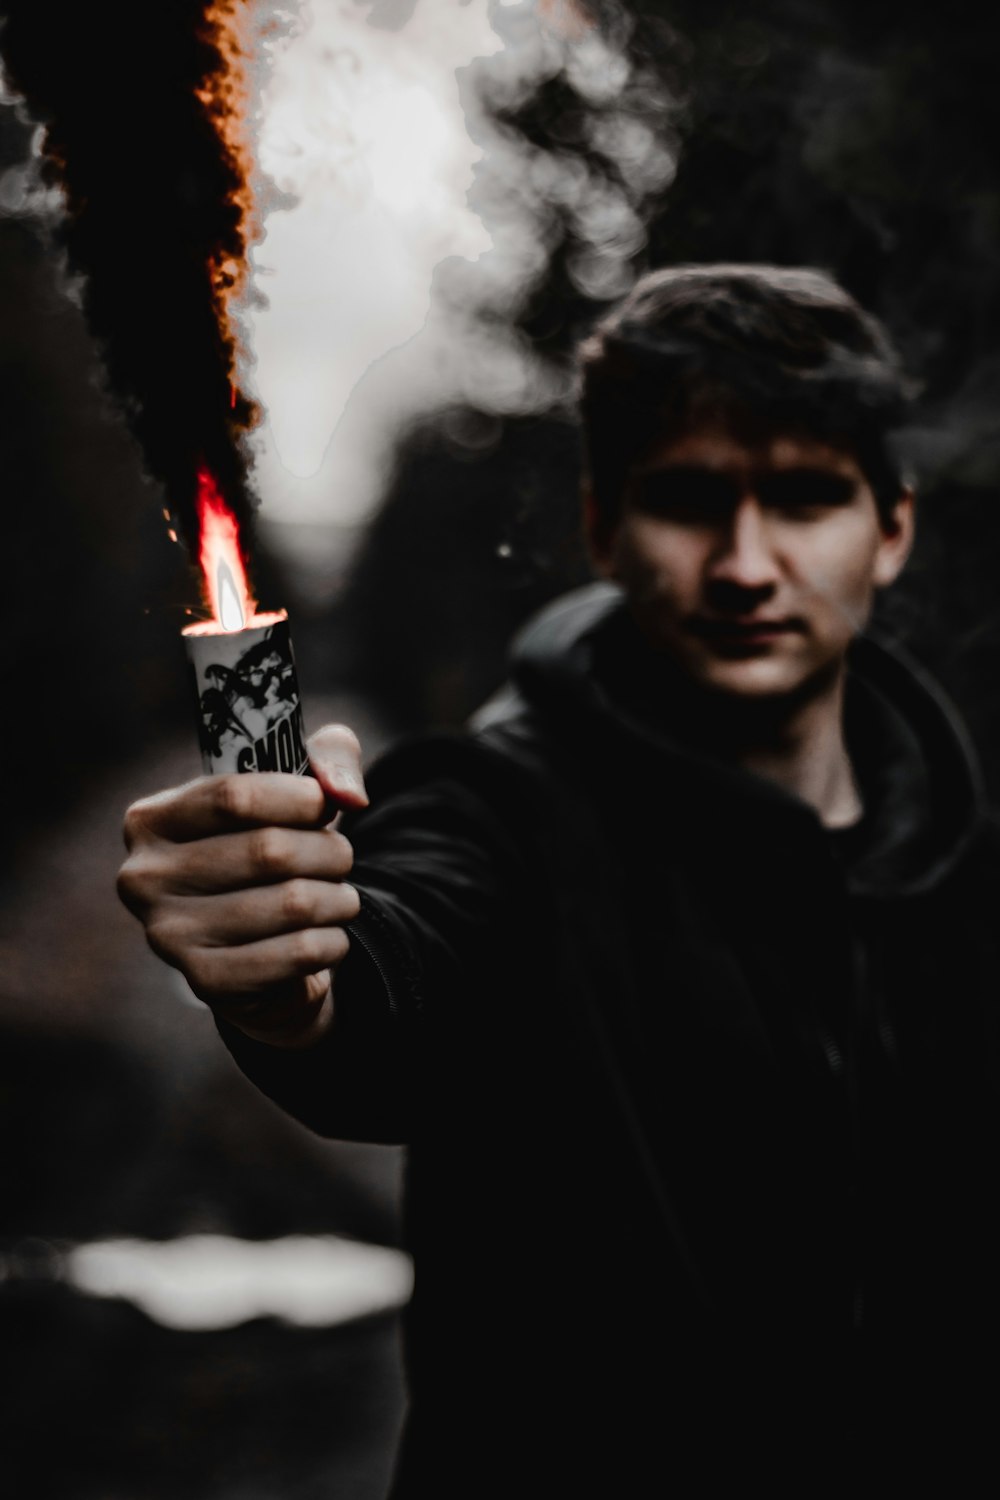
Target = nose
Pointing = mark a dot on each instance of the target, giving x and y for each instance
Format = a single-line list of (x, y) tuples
[(743, 557)]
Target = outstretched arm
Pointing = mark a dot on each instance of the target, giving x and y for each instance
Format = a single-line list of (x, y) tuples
[(326, 1000)]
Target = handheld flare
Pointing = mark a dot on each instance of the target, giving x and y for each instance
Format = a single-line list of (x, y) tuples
[(246, 688)]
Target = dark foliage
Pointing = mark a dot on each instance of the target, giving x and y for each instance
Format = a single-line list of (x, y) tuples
[(481, 519)]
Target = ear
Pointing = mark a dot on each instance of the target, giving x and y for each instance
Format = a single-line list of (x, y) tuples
[(598, 535), (896, 541)]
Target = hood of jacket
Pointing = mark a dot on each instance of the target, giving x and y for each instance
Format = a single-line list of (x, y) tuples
[(582, 664)]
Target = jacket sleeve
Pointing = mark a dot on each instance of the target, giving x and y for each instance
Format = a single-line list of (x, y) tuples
[(440, 876)]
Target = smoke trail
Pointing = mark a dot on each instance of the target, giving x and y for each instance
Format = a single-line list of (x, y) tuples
[(154, 228), (154, 175)]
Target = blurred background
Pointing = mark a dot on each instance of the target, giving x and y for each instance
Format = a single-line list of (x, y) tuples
[(197, 1297)]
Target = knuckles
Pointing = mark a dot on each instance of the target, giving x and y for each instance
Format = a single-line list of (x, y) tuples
[(315, 903), (125, 886), (137, 884), (342, 852), (136, 822), (307, 952), (235, 797), (201, 974), (254, 799), (315, 949), (270, 853), (298, 903), (279, 854), (132, 825), (166, 938)]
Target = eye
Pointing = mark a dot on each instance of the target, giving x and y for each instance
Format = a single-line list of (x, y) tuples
[(691, 496), (805, 492)]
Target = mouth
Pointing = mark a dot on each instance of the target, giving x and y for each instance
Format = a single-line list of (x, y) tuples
[(745, 633)]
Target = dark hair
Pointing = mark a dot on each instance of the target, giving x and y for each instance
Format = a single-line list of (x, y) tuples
[(764, 349)]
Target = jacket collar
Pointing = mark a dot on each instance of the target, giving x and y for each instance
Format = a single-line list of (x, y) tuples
[(582, 664)]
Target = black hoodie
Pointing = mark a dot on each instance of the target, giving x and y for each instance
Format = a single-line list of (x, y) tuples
[(701, 1098)]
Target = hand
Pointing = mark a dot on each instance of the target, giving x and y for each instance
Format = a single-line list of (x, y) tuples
[(240, 883)]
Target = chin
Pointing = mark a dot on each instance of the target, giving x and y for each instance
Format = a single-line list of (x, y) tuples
[(767, 675), (752, 680)]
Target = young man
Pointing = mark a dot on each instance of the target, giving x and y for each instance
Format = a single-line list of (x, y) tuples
[(678, 974)]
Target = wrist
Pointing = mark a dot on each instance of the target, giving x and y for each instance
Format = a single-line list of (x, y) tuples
[(294, 1027)]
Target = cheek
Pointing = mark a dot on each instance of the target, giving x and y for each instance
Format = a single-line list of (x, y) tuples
[(663, 562), (838, 569)]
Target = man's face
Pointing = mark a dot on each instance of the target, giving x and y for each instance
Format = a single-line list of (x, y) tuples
[(752, 567)]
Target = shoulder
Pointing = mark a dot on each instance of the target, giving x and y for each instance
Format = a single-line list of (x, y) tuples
[(498, 792), (503, 747), (436, 795)]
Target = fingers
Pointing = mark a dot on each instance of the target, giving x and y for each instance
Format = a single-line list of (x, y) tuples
[(335, 756), (242, 888), (268, 968), (234, 862), (244, 917), (231, 862), (220, 804)]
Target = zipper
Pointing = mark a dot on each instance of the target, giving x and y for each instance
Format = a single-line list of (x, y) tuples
[(388, 981), (831, 1051)]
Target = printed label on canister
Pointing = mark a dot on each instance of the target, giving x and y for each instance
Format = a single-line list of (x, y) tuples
[(249, 714)]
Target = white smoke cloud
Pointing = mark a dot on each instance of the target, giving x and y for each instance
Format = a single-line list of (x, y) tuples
[(362, 127), (366, 129)]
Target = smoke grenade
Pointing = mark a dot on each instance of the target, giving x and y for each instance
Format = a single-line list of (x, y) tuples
[(247, 693)]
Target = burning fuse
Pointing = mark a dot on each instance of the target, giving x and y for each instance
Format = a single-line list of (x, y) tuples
[(249, 710)]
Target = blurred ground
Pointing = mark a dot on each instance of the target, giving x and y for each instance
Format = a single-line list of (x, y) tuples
[(101, 1404), (124, 1116)]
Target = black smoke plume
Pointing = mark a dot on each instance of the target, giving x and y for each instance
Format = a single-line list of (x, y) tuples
[(152, 197)]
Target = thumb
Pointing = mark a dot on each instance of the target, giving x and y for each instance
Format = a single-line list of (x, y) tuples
[(335, 756)]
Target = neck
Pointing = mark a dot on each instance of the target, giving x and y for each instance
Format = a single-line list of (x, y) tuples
[(796, 741), (805, 753)]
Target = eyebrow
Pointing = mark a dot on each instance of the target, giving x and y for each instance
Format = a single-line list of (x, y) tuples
[(700, 487), (821, 486)]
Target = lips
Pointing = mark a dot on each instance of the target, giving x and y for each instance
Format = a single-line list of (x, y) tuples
[(742, 635), (713, 628)]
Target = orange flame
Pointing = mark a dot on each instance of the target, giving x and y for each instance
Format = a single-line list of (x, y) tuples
[(227, 96), (226, 586)]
